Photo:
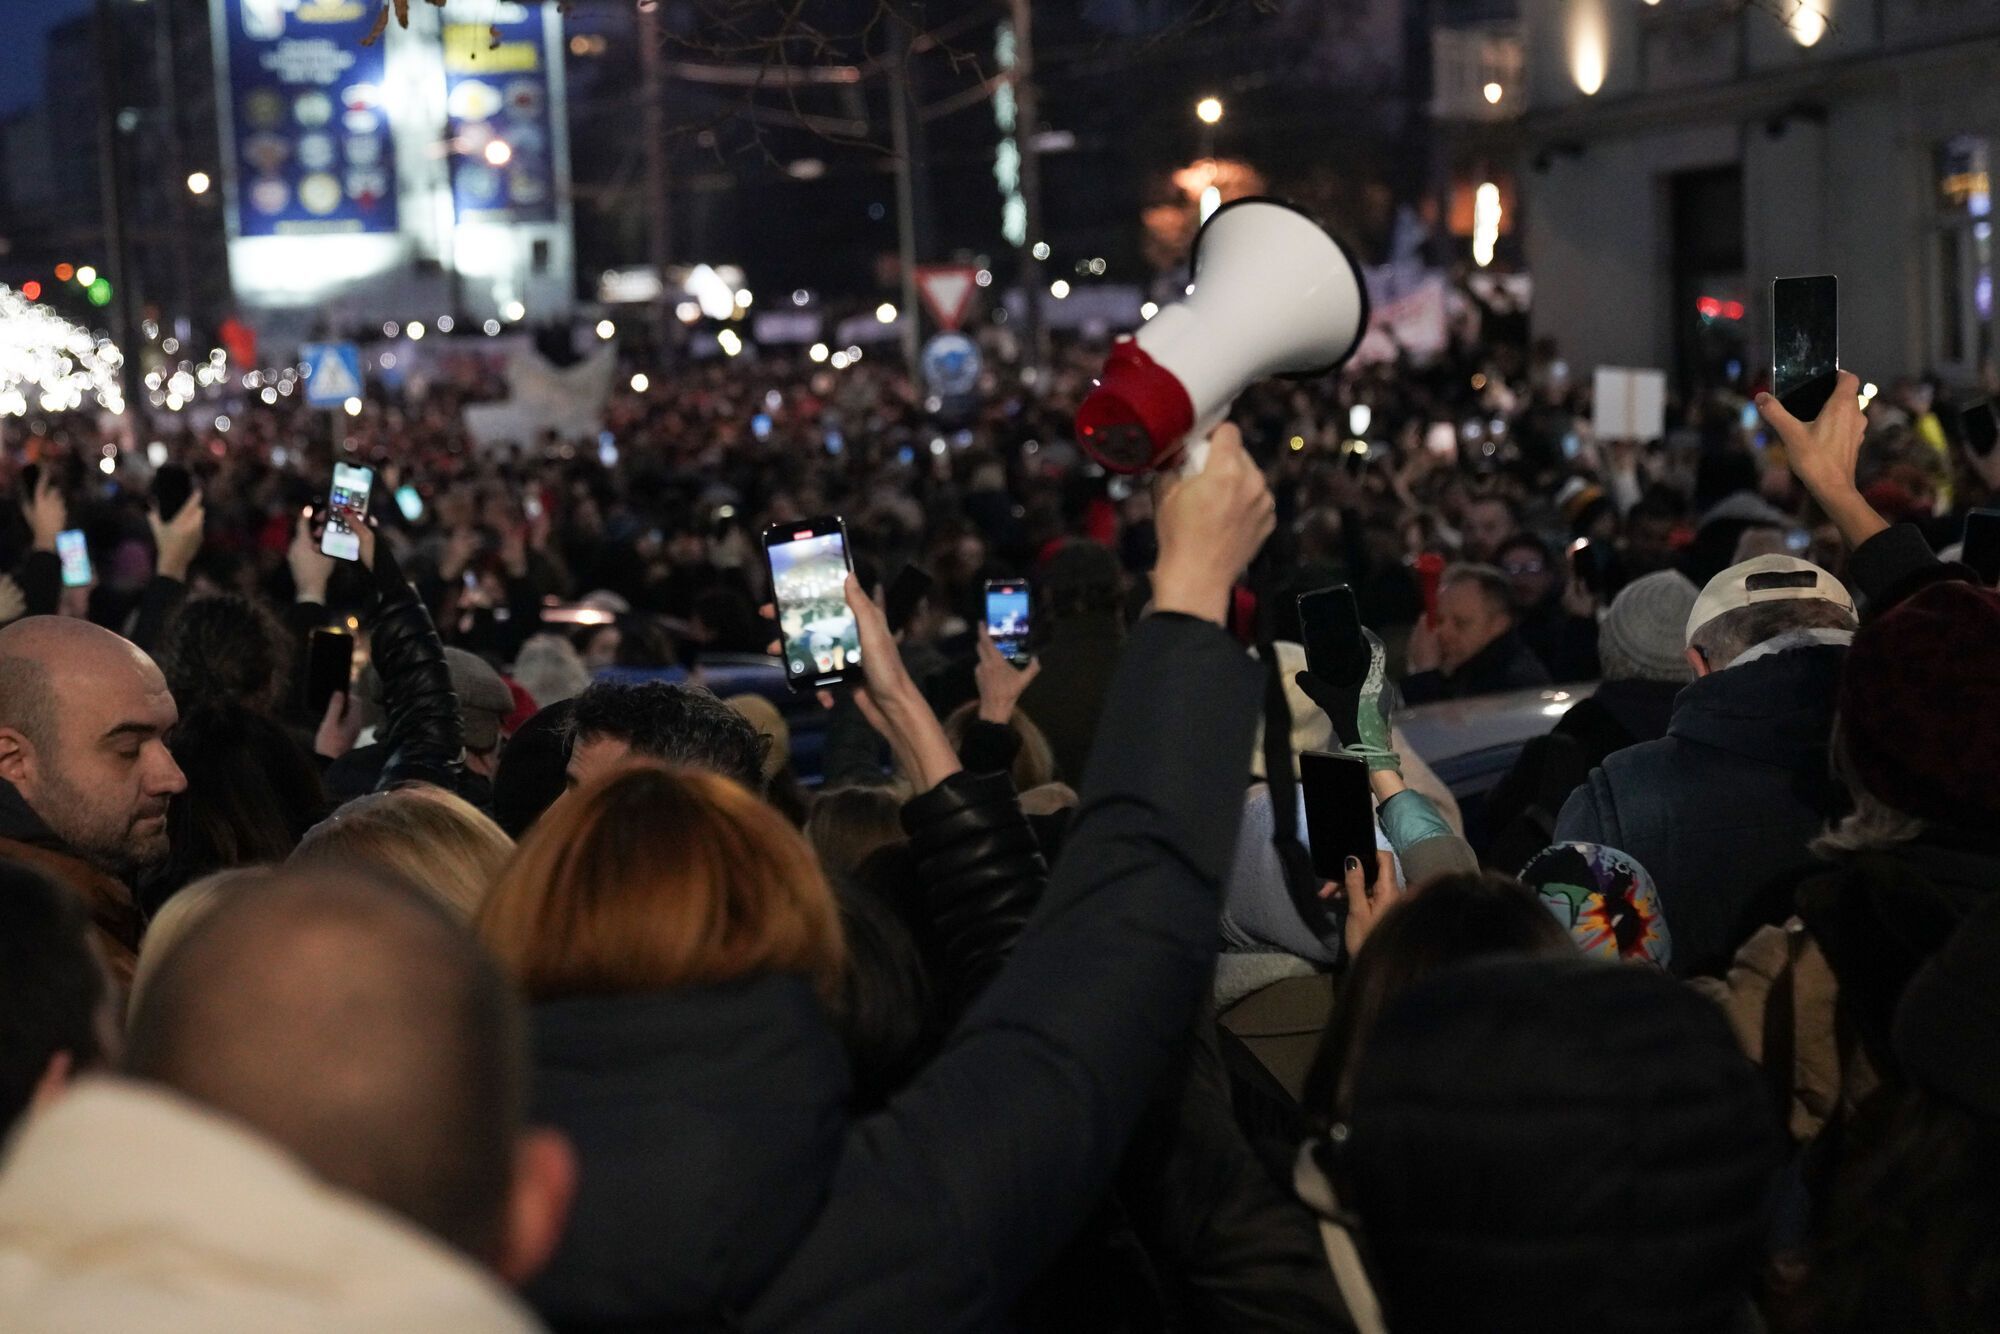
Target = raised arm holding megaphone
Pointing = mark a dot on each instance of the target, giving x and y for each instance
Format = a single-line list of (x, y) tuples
[(1273, 294)]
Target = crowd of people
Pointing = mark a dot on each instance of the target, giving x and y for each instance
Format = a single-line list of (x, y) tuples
[(561, 969)]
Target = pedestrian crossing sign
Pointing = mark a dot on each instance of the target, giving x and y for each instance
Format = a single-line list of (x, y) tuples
[(333, 373)]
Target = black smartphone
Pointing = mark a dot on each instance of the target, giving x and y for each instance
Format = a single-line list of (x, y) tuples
[(906, 591), (1340, 814), (329, 667), (1330, 629), (1583, 564), (1007, 618), (809, 563), (1980, 424), (172, 485), (1982, 545), (1805, 342)]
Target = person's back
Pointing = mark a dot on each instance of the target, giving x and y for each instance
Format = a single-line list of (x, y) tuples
[(1730, 798), (1079, 592), (57, 1019), (322, 1133)]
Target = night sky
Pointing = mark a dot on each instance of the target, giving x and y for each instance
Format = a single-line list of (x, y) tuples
[(22, 25)]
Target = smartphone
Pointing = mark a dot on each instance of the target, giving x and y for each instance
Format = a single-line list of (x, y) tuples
[(1330, 628), (809, 564), (351, 484), (1981, 424), (1583, 564), (1982, 545), (75, 557), (1340, 814), (909, 588), (1007, 618), (329, 667), (172, 485), (410, 502), (1805, 342)]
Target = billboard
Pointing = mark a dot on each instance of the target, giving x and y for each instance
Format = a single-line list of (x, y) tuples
[(309, 137), (497, 107)]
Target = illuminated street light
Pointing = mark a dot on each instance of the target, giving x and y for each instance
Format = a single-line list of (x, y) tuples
[(513, 311), (1059, 288), (498, 153), (1209, 110), (1494, 92), (198, 182), (817, 352), (885, 313), (85, 275), (640, 384), (605, 329), (353, 406)]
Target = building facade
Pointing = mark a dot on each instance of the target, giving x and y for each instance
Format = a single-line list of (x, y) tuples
[(1682, 153)]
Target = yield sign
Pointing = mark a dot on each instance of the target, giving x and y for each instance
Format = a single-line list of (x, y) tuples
[(947, 291)]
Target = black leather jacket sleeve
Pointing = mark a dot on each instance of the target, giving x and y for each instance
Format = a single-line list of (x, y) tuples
[(422, 731), (982, 873), (989, 748)]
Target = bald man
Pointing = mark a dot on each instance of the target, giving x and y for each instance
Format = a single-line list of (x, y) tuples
[(323, 1052), (85, 774)]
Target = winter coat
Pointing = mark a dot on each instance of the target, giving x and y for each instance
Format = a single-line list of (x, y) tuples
[(1725, 802), (1070, 693), (126, 1207), (115, 919), (723, 1183), (1505, 664)]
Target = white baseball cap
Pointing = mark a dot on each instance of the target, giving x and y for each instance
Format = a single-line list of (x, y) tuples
[(1764, 579)]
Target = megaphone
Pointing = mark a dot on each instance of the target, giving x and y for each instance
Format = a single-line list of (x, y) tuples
[(1273, 294)]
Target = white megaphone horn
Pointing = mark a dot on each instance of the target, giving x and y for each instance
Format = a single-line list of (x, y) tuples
[(1273, 294)]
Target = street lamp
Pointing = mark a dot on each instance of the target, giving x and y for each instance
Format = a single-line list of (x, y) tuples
[(1493, 93), (1209, 110), (198, 182), (498, 153)]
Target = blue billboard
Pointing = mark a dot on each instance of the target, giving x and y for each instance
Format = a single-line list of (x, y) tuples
[(312, 152), (497, 108)]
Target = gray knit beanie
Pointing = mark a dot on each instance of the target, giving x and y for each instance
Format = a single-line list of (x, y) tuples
[(1642, 635)]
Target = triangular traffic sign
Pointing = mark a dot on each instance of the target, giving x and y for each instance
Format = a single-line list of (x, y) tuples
[(333, 373), (947, 291)]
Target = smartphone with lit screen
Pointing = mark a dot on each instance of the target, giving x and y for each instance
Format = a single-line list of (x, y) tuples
[(346, 502), (74, 553), (1007, 618), (1805, 342), (809, 564), (1340, 814)]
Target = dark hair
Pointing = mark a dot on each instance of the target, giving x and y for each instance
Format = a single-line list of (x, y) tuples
[(882, 1008), (531, 772), (1523, 541), (643, 641), (51, 985), (1079, 577), (677, 723), (1911, 1235), (732, 621), (350, 1021), (1450, 921), (252, 792), (225, 649)]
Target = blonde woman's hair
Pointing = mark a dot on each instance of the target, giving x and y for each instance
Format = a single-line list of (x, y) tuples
[(190, 906), (1034, 764), (435, 840)]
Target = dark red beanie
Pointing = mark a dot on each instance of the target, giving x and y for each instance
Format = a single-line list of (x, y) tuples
[(1920, 705)]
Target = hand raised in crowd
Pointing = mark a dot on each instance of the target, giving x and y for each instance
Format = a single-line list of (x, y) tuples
[(1425, 653), (890, 700), (13, 600), (1822, 455), (1001, 683), (47, 512), (1210, 525), (1578, 600), (338, 727), (311, 567), (176, 540), (1365, 907)]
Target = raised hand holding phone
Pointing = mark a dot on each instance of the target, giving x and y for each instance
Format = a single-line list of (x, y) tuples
[(177, 536), (1822, 453), (347, 507), (890, 700), (1001, 683)]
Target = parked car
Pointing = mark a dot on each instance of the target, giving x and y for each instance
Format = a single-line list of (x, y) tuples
[(1472, 743)]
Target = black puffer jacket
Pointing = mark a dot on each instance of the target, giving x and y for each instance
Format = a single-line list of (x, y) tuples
[(425, 739)]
